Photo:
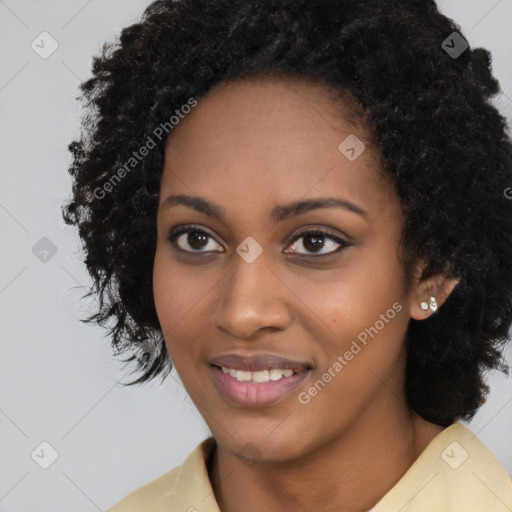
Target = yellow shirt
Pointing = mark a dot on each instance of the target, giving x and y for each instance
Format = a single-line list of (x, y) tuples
[(455, 473)]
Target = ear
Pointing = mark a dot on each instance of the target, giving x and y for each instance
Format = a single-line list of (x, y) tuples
[(438, 286)]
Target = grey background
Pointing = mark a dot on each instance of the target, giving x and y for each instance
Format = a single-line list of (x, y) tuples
[(58, 382)]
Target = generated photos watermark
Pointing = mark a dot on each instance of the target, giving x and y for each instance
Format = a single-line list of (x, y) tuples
[(305, 397), (137, 156)]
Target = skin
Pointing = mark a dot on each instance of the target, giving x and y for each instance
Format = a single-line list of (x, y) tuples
[(247, 147)]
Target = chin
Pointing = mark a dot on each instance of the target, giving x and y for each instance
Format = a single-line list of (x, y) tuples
[(263, 445)]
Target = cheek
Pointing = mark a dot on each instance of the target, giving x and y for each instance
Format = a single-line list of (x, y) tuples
[(362, 360), (366, 306), (363, 313), (172, 298), (164, 281), (180, 297), (344, 302)]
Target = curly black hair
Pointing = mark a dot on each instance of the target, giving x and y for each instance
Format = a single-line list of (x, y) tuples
[(443, 145)]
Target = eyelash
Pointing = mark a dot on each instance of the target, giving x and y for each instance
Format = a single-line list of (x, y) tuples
[(175, 233)]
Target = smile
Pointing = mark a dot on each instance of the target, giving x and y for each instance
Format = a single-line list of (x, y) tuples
[(244, 388), (258, 376)]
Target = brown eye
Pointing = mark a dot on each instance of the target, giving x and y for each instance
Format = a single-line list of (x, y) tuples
[(316, 241), (192, 239)]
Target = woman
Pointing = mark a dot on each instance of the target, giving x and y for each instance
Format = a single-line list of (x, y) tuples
[(302, 205)]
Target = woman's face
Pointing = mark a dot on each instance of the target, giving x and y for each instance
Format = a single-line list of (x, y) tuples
[(244, 286)]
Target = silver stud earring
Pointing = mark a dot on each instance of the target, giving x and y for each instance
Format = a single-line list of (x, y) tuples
[(432, 304)]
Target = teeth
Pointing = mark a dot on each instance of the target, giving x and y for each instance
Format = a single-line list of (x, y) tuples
[(258, 376), (278, 374), (243, 376)]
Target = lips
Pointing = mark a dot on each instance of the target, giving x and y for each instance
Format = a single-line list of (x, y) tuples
[(258, 362), (234, 377)]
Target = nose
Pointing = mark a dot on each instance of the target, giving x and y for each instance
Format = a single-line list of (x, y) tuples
[(251, 298)]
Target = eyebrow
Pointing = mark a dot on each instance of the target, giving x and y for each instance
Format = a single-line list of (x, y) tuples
[(279, 213)]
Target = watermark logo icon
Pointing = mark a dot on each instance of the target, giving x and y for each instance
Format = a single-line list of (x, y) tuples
[(149, 351), (454, 45), (250, 454), (44, 250), (454, 455), (44, 455), (249, 249), (44, 45), (352, 147)]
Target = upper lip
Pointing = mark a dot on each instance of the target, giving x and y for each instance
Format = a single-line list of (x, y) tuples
[(256, 362)]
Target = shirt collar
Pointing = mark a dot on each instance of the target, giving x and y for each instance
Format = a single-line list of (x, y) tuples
[(456, 472)]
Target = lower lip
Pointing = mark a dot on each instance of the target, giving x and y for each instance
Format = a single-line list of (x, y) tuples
[(255, 394)]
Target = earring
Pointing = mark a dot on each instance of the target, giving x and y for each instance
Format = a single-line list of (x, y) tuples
[(432, 304)]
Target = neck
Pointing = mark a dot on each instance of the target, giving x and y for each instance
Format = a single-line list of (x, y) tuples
[(351, 472)]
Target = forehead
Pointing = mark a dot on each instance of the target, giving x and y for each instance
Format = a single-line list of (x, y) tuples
[(270, 140)]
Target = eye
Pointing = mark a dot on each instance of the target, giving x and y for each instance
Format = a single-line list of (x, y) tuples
[(316, 241), (196, 239)]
